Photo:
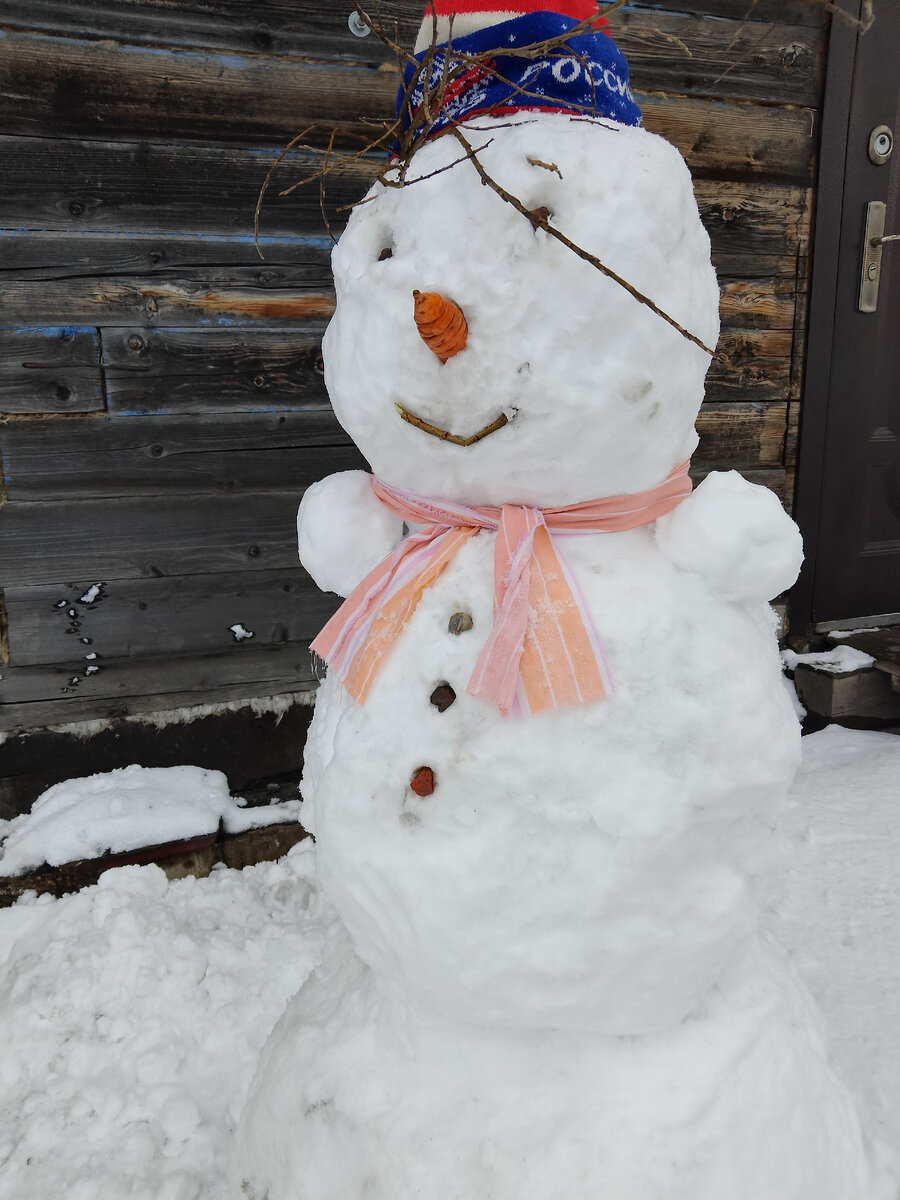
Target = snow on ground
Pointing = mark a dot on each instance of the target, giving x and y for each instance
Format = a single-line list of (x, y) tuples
[(839, 913), (132, 1013), (132, 1017)]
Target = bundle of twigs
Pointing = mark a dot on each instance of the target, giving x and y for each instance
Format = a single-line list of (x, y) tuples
[(401, 137)]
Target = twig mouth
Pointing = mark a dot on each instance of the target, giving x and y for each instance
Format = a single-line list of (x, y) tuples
[(444, 436)]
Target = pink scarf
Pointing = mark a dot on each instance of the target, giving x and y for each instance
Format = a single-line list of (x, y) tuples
[(542, 652)]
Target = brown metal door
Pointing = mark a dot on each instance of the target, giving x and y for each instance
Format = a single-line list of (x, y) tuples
[(848, 502)]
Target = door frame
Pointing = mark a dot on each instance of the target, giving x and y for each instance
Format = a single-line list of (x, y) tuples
[(829, 204)]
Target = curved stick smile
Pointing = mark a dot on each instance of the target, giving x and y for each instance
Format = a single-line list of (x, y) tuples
[(444, 436)]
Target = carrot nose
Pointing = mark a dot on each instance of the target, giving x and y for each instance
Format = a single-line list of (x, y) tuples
[(441, 324)]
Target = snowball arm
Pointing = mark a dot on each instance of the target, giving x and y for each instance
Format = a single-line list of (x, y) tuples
[(343, 531), (736, 535)]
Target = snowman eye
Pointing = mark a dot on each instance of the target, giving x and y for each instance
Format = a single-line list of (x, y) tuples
[(387, 252)]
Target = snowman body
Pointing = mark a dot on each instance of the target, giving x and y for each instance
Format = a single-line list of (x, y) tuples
[(552, 981)]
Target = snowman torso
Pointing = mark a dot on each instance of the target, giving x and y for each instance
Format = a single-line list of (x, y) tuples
[(582, 868)]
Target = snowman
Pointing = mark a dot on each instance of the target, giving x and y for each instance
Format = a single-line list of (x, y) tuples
[(548, 758)]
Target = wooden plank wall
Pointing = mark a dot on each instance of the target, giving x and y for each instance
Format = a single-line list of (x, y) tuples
[(161, 398)]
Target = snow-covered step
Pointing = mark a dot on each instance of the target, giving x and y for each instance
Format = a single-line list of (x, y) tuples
[(856, 681), (182, 818)]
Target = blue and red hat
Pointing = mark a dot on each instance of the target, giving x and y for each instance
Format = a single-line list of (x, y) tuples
[(585, 74)]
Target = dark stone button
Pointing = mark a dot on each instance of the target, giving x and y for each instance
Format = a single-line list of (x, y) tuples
[(422, 782), (442, 697), (460, 622)]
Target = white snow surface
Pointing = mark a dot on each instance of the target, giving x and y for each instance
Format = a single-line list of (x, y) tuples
[(132, 1017), (132, 1014), (838, 910), (126, 809)]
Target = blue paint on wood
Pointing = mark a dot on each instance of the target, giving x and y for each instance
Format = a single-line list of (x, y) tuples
[(212, 413), (49, 331), (243, 239)]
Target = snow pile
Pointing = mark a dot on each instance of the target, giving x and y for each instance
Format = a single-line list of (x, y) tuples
[(126, 809), (839, 911), (132, 1015), (842, 660)]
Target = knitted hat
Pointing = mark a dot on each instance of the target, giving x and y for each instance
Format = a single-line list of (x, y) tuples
[(585, 74), (471, 15)]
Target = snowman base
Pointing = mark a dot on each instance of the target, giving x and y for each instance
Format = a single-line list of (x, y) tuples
[(362, 1097)]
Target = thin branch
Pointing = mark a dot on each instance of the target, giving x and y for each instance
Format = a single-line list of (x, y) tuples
[(551, 167), (406, 183), (863, 22), (769, 30), (544, 224), (322, 174), (437, 432), (262, 191), (342, 160)]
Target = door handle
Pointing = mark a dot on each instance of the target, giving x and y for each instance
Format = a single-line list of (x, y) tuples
[(874, 238)]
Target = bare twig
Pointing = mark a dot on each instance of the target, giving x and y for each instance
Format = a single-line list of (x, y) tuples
[(262, 191), (342, 160), (544, 224), (863, 21), (322, 174), (444, 436), (551, 167), (769, 30)]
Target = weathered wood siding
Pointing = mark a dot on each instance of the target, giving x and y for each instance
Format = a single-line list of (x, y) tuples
[(161, 388)]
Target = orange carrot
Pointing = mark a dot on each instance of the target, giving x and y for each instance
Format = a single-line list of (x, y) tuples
[(441, 324)]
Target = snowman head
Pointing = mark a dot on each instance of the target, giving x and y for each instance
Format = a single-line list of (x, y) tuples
[(552, 384)]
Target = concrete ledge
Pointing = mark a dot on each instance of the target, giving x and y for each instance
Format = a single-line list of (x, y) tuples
[(860, 699)]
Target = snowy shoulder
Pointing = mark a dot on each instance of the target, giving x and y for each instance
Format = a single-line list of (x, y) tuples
[(736, 535), (343, 531)]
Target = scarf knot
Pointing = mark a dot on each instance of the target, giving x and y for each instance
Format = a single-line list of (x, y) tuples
[(543, 651)]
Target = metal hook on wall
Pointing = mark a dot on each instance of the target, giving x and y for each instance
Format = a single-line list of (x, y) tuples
[(358, 27)]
